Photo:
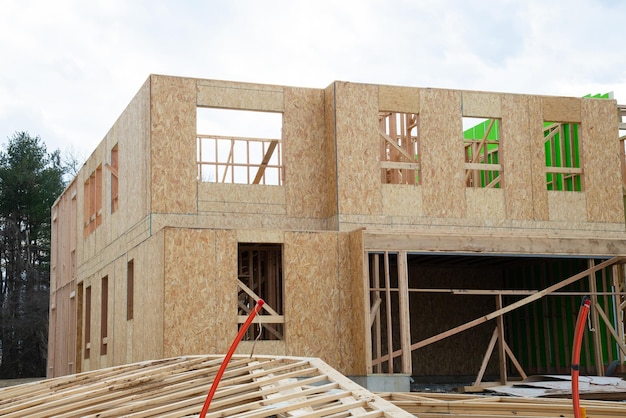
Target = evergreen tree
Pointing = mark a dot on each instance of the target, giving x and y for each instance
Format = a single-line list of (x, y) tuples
[(30, 181)]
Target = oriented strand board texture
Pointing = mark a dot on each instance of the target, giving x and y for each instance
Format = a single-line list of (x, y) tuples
[(190, 292), (356, 127), (481, 104), (561, 109), (173, 145), (441, 149), (567, 206), (308, 187), (399, 99), (402, 200), (245, 96), (330, 154), (517, 158), (312, 296), (600, 155), (241, 199), (537, 159), (149, 307), (352, 296), (485, 205)]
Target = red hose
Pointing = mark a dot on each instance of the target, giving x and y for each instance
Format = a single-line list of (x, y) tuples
[(578, 339), (230, 353)]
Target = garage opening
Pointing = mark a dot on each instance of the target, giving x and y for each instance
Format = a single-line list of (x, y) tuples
[(436, 315)]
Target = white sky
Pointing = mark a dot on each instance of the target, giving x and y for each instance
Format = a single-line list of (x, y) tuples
[(68, 68)]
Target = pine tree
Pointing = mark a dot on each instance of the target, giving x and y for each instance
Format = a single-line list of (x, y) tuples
[(30, 181)]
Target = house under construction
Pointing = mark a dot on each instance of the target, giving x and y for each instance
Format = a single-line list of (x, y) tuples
[(404, 231)]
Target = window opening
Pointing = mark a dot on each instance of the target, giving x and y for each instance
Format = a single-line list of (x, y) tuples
[(236, 146), (130, 289), (93, 202), (87, 321), (563, 159), (104, 312), (399, 148), (114, 167), (481, 139), (260, 275)]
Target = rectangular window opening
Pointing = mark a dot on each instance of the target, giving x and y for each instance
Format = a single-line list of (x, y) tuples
[(481, 144), (399, 148), (563, 156), (104, 312), (237, 146), (260, 275), (130, 289)]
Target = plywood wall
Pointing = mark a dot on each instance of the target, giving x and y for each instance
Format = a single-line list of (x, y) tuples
[(172, 145), (441, 149), (308, 188), (600, 154), (357, 142), (313, 319), (517, 158)]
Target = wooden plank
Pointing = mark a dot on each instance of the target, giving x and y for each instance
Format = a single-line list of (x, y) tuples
[(405, 312), (501, 342), (266, 159), (597, 340), (487, 357)]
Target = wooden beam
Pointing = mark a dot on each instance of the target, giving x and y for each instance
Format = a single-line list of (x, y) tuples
[(405, 312), (266, 159)]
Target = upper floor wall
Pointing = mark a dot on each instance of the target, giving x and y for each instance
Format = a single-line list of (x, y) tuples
[(350, 156), (529, 161)]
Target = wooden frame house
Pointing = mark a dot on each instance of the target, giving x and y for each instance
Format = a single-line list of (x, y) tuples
[(391, 230)]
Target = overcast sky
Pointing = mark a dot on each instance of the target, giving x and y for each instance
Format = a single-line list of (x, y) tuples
[(69, 67)]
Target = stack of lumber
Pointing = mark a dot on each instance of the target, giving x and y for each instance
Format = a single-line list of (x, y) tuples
[(259, 386), (447, 405)]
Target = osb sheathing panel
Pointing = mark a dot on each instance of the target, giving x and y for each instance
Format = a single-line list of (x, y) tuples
[(482, 104), (441, 153), (133, 142), (122, 328), (260, 235), (600, 156), (147, 324), (330, 155), (241, 198), (307, 186), (567, 206), (537, 159), (200, 291), (357, 140), (402, 200), (352, 296), (313, 310), (398, 99), (486, 205), (245, 96), (517, 163), (173, 145), (561, 109), (62, 347)]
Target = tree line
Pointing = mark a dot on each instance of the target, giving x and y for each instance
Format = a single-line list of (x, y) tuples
[(31, 178)]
